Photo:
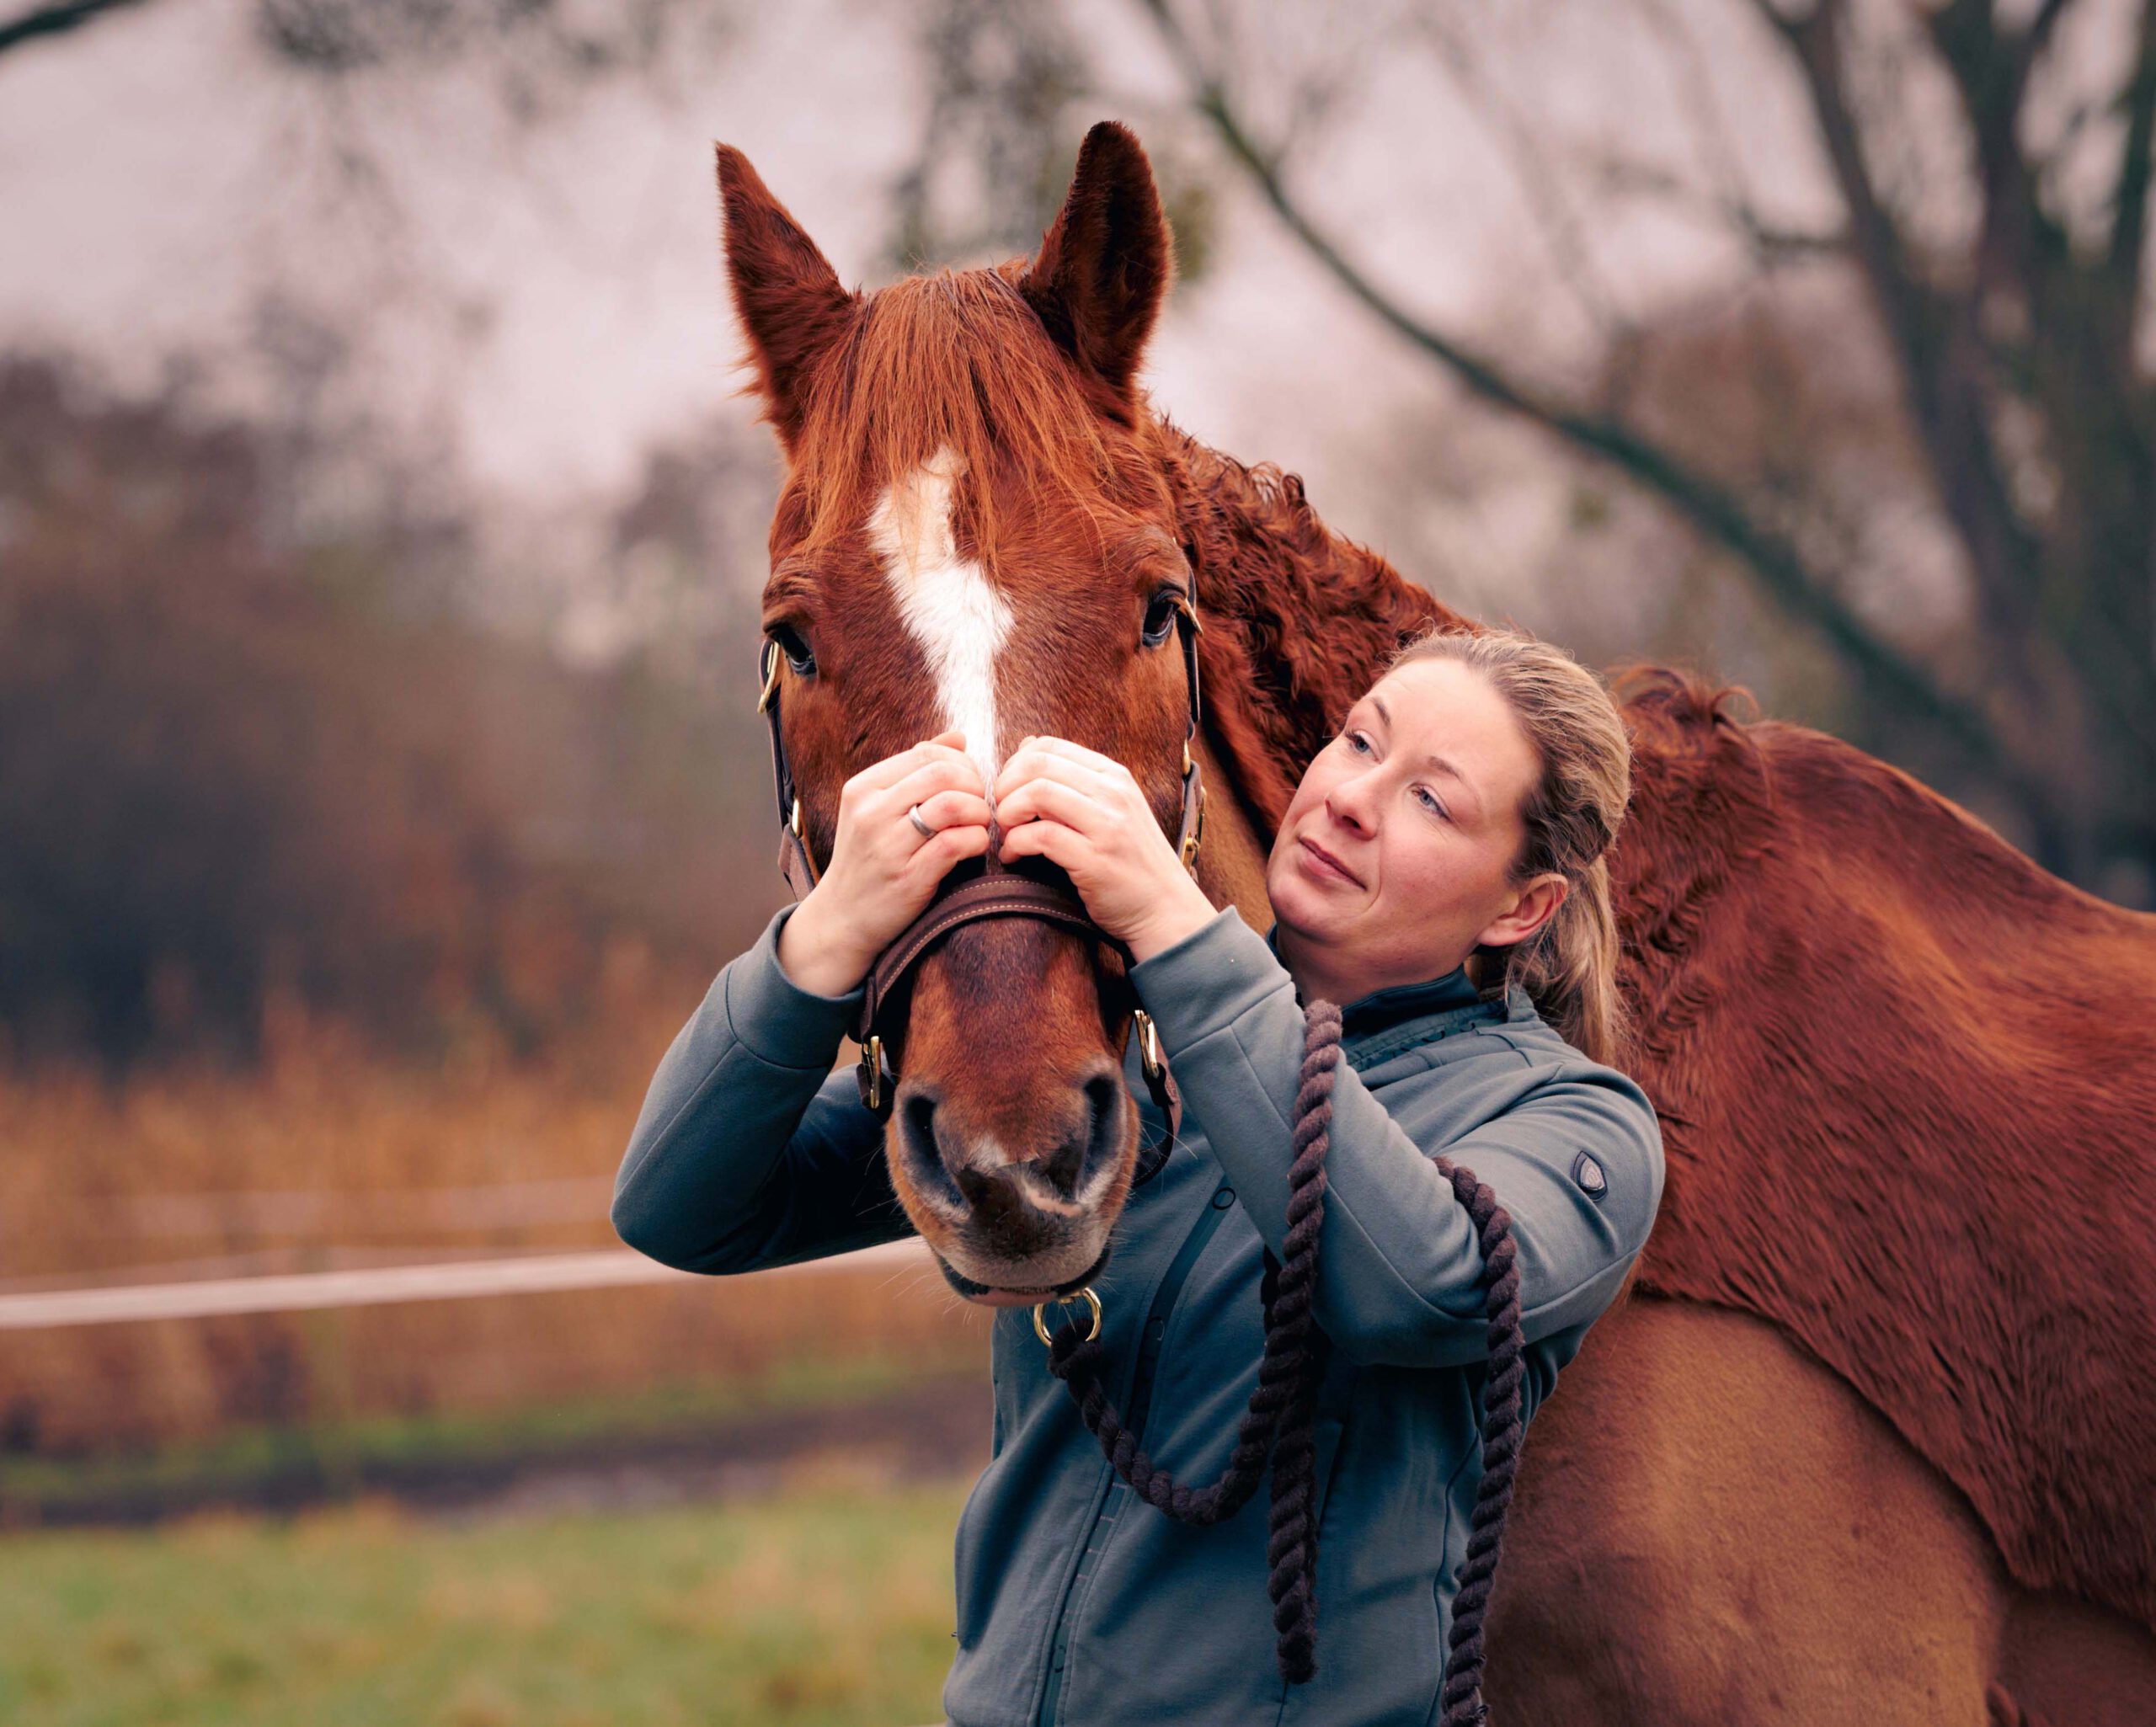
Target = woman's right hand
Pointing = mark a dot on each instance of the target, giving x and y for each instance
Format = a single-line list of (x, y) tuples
[(882, 872)]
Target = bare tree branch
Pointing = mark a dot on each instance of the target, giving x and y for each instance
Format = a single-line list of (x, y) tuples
[(1694, 89), (2085, 339), (2020, 244), (1906, 304), (1711, 507), (1619, 177), (1935, 337), (2130, 225), (55, 20), (1546, 199), (2038, 36)]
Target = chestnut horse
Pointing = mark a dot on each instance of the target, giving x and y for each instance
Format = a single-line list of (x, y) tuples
[(1866, 1442)]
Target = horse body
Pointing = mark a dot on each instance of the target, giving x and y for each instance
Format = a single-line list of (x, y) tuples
[(1862, 1445), (1710, 1526)]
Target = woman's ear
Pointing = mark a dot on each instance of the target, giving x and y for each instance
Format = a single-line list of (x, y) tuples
[(1537, 905)]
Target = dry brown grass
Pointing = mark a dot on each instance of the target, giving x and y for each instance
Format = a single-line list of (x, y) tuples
[(166, 1175)]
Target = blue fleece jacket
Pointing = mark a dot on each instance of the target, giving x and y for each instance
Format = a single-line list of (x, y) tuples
[(1078, 1604)]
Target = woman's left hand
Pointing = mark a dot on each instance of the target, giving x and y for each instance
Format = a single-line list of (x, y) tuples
[(1083, 811)]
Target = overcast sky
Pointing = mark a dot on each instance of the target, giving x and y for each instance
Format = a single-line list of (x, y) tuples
[(159, 174), (548, 296)]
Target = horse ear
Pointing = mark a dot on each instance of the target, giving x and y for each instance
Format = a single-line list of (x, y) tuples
[(786, 295), (1104, 266)]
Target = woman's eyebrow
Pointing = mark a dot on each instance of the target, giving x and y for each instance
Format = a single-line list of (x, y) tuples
[(1434, 760), (1474, 798)]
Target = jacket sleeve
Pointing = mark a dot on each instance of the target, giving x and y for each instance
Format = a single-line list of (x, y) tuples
[(749, 1152), (1399, 1265)]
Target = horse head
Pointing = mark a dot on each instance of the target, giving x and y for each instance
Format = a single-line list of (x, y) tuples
[(976, 529)]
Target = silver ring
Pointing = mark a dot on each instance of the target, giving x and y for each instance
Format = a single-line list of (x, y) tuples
[(921, 827)]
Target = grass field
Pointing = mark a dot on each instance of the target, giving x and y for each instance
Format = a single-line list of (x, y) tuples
[(828, 1603)]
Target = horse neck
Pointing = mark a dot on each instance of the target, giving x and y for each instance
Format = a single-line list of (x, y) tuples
[(1299, 621)]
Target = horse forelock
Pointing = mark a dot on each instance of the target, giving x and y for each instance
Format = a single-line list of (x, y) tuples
[(954, 369)]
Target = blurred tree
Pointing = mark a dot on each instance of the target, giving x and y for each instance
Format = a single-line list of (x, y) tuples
[(243, 763), (1009, 91), (40, 22), (537, 45), (2016, 342)]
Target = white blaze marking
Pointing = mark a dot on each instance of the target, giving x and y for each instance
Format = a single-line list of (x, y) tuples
[(955, 614)]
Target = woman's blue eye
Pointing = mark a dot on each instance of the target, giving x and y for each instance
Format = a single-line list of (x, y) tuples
[(1431, 803), (1357, 743)]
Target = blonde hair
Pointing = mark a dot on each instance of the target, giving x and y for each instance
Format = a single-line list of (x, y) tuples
[(1568, 967)]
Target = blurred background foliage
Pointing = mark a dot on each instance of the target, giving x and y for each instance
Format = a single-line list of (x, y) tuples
[(292, 712), (248, 761), (269, 732), (379, 788)]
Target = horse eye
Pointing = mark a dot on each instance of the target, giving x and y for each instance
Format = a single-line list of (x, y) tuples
[(1160, 617), (794, 648)]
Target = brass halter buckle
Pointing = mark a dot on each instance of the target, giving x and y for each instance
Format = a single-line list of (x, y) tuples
[(1040, 1325), (1197, 834)]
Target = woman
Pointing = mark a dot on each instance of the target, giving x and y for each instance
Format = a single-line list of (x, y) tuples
[(1439, 872)]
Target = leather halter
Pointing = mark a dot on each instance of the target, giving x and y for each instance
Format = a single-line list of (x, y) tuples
[(962, 899)]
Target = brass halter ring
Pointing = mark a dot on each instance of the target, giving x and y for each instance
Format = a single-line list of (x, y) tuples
[(1091, 1300)]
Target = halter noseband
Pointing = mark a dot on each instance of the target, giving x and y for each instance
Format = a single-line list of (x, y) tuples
[(963, 899)]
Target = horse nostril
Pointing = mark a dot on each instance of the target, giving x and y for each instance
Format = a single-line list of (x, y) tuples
[(963, 1171), (1063, 1168), (1105, 1105), (923, 1152)]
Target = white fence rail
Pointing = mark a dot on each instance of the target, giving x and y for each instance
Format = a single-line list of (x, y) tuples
[(525, 1274)]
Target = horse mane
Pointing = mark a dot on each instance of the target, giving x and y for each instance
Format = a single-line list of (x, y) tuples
[(1702, 809), (954, 362), (1298, 619)]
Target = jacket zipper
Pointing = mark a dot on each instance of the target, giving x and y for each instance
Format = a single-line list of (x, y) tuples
[(1141, 1399)]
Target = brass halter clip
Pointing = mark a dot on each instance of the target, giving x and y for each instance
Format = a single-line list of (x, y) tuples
[(871, 1066), (771, 678), (1148, 1041)]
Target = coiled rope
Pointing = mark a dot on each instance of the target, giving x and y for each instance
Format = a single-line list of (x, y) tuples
[(1277, 1423)]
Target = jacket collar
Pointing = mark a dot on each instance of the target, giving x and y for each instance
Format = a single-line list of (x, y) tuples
[(1437, 999), (1375, 1027)]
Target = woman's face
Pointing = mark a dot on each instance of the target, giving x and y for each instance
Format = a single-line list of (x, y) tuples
[(1416, 804)]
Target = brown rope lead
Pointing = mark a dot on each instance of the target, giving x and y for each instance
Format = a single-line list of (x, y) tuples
[(1281, 1415), (1460, 1695)]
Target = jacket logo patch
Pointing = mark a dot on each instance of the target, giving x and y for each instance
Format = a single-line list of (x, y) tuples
[(1589, 1173)]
